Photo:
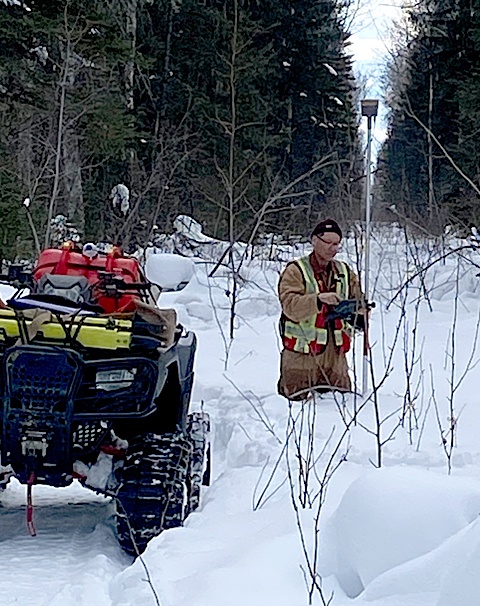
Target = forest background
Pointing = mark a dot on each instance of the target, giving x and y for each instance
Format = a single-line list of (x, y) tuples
[(241, 113)]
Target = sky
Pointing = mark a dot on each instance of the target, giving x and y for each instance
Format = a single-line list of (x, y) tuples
[(371, 42), (372, 34)]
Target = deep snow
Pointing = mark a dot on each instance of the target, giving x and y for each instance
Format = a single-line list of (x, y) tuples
[(405, 534)]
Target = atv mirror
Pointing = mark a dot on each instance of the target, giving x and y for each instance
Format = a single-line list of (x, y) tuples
[(170, 272)]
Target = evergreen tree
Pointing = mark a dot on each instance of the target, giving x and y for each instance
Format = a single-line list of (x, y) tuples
[(433, 97), (61, 91), (211, 108), (293, 88)]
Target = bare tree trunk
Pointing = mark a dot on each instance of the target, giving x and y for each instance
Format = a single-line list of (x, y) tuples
[(131, 30), (431, 193), (25, 153), (231, 167), (290, 138), (72, 179), (58, 147), (166, 63)]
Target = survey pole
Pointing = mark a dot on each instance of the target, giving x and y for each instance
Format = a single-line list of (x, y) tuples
[(370, 111)]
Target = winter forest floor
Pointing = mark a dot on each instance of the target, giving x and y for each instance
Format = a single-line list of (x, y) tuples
[(298, 511)]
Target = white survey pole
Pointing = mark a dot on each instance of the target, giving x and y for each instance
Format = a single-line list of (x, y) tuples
[(369, 110)]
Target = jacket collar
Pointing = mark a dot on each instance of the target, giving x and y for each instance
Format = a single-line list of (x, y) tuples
[(317, 270)]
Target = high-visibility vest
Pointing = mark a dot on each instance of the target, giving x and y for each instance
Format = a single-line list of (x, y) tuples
[(310, 336)]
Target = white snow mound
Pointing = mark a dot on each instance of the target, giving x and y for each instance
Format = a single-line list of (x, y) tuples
[(389, 517)]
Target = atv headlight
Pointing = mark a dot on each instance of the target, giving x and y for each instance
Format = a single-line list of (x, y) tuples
[(109, 380)]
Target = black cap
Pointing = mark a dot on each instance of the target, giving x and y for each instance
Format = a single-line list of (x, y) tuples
[(327, 226)]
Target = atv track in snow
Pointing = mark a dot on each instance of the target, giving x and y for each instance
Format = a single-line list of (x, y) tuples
[(74, 557)]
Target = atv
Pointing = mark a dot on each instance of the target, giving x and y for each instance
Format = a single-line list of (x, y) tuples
[(95, 385)]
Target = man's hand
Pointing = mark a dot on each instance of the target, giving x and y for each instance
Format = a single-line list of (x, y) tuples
[(329, 298)]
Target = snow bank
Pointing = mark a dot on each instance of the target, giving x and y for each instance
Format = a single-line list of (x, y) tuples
[(450, 574), (446, 281), (391, 516)]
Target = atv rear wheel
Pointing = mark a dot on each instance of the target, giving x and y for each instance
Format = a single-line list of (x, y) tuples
[(153, 492), (198, 428)]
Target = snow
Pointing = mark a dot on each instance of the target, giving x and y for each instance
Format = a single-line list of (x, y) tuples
[(331, 69), (120, 196), (375, 512), (17, 3), (169, 271), (406, 534), (7, 292), (42, 54), (191, 229)]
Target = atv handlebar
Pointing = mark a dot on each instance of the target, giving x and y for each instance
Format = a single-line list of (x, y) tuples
[(108, 281)]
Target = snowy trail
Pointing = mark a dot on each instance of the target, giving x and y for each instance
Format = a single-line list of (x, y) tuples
[(413, 531), (74, 556)]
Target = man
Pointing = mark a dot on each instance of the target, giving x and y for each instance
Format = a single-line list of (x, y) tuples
[(315, 346)]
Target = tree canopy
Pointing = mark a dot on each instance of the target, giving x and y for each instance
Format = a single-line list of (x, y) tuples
[(238, 112), (429, 163)]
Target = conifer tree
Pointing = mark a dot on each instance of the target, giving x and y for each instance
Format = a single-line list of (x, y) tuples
[(144, 93), (60, 90), (294, 90), (433, 98)]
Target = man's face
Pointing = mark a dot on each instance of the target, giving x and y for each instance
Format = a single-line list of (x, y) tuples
[(326, 246)]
